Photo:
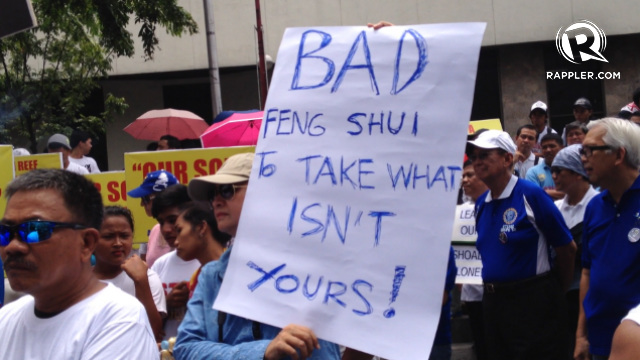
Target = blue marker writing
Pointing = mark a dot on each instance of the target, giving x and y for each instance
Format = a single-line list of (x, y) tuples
[(397, 281)]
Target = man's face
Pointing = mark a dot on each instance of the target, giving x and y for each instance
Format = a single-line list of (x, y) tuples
[(163, 145), (563, 178), (549, 150), (598, 166), (575, 136), (167, 220), (471, 184), (581, 114), (48, 268), (227, 211), (526, 140), (489, 164), (538, 119), (86, 146)]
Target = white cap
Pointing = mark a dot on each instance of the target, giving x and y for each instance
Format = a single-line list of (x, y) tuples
[(494, 139), (538, 105)]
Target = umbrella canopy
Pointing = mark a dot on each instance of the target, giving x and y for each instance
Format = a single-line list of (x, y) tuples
[(240, 129), (155, 123)]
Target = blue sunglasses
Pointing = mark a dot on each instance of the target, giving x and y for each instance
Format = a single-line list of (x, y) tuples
[(33, 231)]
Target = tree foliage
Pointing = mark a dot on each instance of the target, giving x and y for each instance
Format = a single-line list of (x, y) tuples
[(47, 73)]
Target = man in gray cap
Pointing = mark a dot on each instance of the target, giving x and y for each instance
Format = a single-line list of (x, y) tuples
[(582, 111), (516, 223), (59, 143), (570, 178)]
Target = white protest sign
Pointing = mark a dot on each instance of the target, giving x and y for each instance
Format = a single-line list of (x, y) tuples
[(464, 236), (348, 210)]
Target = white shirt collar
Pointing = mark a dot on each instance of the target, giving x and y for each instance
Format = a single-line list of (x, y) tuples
[(507, 190)]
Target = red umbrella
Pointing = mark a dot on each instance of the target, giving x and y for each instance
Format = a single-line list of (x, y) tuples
[(237, 130), (155, 123)]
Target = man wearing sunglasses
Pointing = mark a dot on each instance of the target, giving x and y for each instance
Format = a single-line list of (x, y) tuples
[(205, 332), (610, 283), (152, 185), (517, 222), (47, 236)]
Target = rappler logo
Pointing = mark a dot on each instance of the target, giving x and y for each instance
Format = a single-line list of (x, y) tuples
[(581, 41)]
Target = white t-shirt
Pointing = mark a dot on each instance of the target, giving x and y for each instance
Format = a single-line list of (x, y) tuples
[(125, 283), (73, 167), (574, 214), (522, 166), (108, 325), (172, 270), (86, 162)]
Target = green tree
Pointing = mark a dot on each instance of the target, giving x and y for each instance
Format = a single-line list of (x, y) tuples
[(47, 73)]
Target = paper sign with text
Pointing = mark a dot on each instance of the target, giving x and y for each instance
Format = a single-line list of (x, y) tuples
[(112, 187), (27, 163), (183, 164), (464, 238), (6, 173), (348, 212)]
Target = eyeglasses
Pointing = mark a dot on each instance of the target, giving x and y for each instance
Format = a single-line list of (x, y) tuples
[(33, 231), (147, 199), (556, 169), (587, 150), (226, 191)]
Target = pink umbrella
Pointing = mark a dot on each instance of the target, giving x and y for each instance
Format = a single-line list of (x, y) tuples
[(237, 130), (155, 123)]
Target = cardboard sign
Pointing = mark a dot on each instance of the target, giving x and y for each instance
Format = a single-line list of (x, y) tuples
[(347, 216), (112, 187), (26, 163), (183, 164), (6, 173)]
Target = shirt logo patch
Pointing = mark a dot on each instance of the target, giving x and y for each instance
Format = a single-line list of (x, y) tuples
[(510, 215)]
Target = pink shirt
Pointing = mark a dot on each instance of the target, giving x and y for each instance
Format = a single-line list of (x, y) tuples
[(157, 245)]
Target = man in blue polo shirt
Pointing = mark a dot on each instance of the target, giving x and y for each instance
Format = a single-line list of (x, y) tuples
[(517, 224), (610, 283), (541, 173)]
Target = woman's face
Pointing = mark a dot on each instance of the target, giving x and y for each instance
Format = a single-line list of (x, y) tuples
[(116, 239), (188, 243)]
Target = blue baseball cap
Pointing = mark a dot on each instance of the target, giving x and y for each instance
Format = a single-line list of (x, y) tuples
[(155, 182)]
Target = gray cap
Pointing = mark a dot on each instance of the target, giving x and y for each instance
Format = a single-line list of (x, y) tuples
[(235, 169), (58, 140), (569, 158)]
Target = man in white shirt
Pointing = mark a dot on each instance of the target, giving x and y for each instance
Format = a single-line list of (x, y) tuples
[(525, 158), (60, 143), (47, 236), (539, 116), (81, 144)]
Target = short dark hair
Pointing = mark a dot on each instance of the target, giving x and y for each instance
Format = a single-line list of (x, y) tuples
[(117, 210), (636, 97), (80, 195), (78, 136), (526, 126), (552, 137), (575, 125), (172, 141), (197, 212), (175, 195)]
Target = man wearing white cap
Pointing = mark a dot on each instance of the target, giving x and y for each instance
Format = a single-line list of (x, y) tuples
[(517, 222), (539, 116), (206, 333)]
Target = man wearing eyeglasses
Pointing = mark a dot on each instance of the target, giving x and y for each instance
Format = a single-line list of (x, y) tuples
[(610, 283), (517, 223), (47, 235), (206, 333)]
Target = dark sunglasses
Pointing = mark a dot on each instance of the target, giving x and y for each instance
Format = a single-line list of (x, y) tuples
[(556, 169), (226, 191), (483, 155), (588, 150), (33, 231)]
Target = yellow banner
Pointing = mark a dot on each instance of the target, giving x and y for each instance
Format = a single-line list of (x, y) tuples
[(27, 163), (112, 187), (183, 164), (6, 172), (490, 124)]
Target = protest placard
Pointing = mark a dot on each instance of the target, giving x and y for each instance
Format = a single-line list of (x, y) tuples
[(6, 173), (464, 237), (112, 187), (348, 214), (27, 163), (183, 164)]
